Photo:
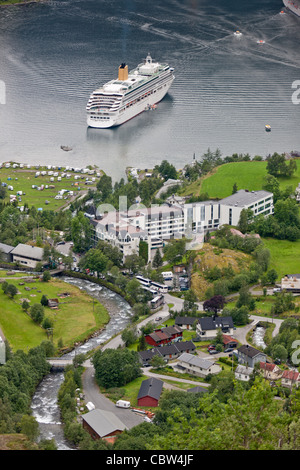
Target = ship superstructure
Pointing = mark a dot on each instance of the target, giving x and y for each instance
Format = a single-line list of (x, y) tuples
[(293, 6), (131, 93)]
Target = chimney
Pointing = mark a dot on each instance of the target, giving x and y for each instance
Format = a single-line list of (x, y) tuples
[(123, 72)]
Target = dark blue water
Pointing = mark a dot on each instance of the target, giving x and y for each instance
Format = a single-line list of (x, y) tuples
[(53, 54)]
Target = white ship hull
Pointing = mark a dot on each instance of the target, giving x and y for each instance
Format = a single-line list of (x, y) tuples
[(293, 6), (117, 118), (120, 100)]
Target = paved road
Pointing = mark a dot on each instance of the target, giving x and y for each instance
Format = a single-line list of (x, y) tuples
[(92, 393)]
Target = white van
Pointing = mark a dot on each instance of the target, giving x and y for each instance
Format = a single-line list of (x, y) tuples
[(123, 404)]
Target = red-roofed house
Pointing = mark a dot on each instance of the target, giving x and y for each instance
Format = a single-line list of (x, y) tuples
[(290, 378), (270, 371), (163, 335), (229, 342)]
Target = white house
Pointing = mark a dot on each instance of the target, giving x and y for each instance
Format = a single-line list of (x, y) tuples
[(290, 378), (196, 365), (243, 373), (207, 327)]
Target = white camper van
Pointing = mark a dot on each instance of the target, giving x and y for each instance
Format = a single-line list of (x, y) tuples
[(123, 404)]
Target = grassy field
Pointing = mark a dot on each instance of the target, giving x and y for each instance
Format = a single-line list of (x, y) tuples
[(285, 256), (22, 179), (75, 319), (247, 175)]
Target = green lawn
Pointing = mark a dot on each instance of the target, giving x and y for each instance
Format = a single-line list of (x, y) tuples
[(22, 179), (247, 175), (285, 256), (74, 320)]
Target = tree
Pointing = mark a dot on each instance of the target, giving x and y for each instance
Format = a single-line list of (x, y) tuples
[(44, 300), (174, 250), (157, 260), (234, 188), (104, 185), (277, 165), (129, 336), (190, 299), (46, 276), (29, 427), (214, 304), (25, 305), (95, 261), (11, 290), (37, 313), (245, 219), (157, 362), (133, 288), (116, 367)]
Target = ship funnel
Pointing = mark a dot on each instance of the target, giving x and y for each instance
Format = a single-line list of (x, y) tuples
[(123, 72)]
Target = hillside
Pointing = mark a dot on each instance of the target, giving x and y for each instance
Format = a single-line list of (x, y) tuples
[(210, 257), (247, 175)]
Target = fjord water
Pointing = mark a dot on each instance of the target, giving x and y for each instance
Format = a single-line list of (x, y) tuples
[(53, 54)]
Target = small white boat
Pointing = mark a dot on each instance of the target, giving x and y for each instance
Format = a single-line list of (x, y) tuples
[(260, 41), (268, 127), (238, 33)]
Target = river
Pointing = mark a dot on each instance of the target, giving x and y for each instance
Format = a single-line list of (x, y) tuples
[(44, 403), (53, 54)]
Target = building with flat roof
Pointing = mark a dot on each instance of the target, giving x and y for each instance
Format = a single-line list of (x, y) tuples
[(158, 224)]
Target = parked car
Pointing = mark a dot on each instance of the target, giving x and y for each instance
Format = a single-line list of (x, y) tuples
[(228, 349), (211, 346), (213, 351), (158, 318)]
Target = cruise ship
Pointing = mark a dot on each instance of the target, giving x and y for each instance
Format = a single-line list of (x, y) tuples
[(130, 94), (293, 5)]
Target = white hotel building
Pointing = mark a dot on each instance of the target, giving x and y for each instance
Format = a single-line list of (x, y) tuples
[(157, 224)]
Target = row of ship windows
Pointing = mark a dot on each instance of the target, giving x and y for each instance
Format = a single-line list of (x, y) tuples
[(99, 117)]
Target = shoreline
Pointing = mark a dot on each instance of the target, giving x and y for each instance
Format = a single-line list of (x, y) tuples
[(16, 3)]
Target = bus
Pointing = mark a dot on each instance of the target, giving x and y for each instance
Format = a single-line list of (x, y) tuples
[(143, 280), (168, 275), (157, 302), (159, 287)]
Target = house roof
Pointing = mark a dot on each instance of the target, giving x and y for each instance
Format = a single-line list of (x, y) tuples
[(249, 351), (290, 374), (5, 248), (243, 370), (28, 251), (228, 339), (267, 366), (171, 348), (185, 320), (243, 197), (195, 361), (103, 422), (215, 322), (151, 388)]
